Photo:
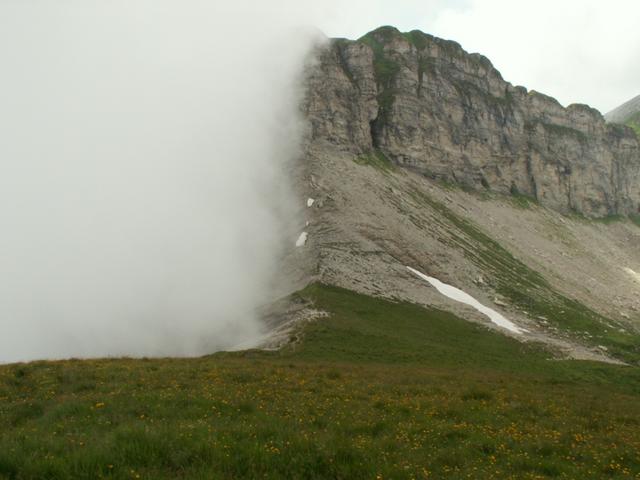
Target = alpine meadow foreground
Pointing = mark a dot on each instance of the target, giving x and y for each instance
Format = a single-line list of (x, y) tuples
[(378, 389)]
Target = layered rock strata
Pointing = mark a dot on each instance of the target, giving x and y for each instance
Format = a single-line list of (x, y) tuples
[(427, 105)]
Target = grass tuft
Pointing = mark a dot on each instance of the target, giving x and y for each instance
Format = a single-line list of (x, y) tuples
[(376, 159)]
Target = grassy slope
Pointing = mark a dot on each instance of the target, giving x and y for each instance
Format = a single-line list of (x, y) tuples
[(519, 283), (634, 122), (527, 288), (378, 390)]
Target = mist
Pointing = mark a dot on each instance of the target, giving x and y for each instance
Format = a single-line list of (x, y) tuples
[(144, 190)]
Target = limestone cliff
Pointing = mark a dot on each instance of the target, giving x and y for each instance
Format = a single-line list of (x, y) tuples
[(428, 105)]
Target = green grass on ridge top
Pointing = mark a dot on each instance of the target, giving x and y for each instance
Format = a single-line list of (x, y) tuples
[(634, 122), (376, 390), (362, 329)]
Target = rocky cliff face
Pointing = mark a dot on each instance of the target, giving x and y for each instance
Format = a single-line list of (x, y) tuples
[(428, 105)]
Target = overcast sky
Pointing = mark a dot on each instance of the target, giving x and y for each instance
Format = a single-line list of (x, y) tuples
[(579, 51)]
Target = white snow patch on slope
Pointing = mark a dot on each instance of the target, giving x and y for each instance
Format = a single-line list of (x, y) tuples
[(310, 202), (463, 297), (302, 239), (635, 275)]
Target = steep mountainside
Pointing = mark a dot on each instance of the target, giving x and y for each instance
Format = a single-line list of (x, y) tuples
[(627, 114), (430, 106), (419, 155)]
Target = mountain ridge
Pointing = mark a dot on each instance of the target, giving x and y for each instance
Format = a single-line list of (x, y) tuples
[(429, 105), (628, 114), (622, 113)]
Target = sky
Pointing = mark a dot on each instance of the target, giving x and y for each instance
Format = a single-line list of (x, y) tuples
[(578, 51), (145, 189)]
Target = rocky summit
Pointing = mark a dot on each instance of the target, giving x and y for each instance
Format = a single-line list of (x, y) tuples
[(426, 104)]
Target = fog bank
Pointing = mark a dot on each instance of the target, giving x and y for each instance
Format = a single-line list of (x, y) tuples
[(144, 197)]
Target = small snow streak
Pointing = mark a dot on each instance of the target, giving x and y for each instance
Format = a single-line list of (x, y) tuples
[(302, 239), (463, 297), (635, 275)]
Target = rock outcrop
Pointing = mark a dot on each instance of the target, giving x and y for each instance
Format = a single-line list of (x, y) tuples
[(428, 105)]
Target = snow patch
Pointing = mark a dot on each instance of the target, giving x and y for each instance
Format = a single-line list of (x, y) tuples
[(302, 239), (463, 297), (634, 275), (310, 202)]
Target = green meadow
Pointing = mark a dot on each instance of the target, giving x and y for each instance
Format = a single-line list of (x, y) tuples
[(377, 390)]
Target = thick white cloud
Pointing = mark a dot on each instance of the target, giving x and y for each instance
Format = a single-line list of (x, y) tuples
[(144, 197)]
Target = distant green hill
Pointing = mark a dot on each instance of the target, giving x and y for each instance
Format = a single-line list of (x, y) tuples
[(628, 114)]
